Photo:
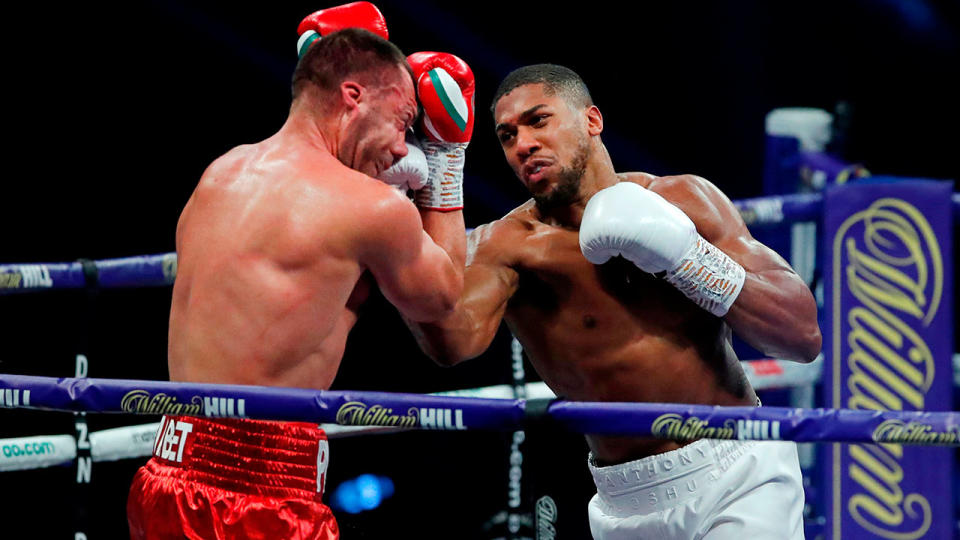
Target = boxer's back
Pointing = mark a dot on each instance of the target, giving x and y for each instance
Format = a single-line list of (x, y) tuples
[(267, 284)]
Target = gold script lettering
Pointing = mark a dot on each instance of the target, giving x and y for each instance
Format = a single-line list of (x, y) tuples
[(673, 426), (142, 402), (356, 413), (10, 280), (895, 272)]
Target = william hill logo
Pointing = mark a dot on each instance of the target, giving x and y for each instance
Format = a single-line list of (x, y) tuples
[(674, 426), (143, 402), (26, 276), (912, 433), (888, 286), (357, 413)]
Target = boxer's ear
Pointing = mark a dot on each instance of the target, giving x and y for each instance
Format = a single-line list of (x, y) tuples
[(352, 93), (594, 120)]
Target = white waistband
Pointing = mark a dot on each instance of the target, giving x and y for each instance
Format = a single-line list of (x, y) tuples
[(664, 480)]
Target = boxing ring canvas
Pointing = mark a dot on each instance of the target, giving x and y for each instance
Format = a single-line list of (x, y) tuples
[(888, 255)]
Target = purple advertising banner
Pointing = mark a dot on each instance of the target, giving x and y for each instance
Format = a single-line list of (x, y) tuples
[(888, 247)]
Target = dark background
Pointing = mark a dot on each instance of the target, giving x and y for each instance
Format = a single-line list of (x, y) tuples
[(112, 114)]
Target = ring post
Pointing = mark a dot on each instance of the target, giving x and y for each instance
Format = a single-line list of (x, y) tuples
[(889, 302)]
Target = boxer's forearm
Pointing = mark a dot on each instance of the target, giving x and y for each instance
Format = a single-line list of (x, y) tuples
[(776, 313)]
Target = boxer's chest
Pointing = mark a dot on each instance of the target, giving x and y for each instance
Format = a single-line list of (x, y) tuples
[(576, 319), (554, 273)]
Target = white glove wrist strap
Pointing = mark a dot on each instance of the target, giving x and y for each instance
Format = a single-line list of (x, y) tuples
[(709, 277), (444, 190)]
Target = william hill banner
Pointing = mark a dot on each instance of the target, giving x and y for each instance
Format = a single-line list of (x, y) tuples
[(889, 277)]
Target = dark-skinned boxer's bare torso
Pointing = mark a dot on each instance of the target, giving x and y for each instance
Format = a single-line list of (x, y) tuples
[(610, 332)]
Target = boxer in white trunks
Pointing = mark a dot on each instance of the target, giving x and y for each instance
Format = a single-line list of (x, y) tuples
[(626, 287)]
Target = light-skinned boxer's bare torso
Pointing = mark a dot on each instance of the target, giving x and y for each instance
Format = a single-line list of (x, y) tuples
[(612, 332), (281, 241)]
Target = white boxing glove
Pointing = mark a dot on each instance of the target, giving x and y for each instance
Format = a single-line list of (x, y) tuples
[(411, 172), (629, 220)]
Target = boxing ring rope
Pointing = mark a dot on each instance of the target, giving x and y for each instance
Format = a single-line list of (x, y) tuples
[(22, 453), (455, 413)]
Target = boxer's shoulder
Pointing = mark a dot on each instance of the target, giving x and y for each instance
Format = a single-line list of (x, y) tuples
[(228, 165), (515, 224), (503, 240), (518, 225), (642, 178), (709, 208), (374, 204), (679, 186), (691, 193)]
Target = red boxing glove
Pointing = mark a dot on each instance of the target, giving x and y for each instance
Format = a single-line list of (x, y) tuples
[(326, 21), (445, 86)]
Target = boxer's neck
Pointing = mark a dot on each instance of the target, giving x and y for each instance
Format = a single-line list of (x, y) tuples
[(599, 174), (310, 128)]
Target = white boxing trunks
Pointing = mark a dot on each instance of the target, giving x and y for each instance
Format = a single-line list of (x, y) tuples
[(709, 490)]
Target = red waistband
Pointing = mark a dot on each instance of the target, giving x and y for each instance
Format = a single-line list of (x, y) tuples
[(248, 456)]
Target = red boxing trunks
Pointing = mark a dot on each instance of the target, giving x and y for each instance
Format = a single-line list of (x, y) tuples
[(232, 478)]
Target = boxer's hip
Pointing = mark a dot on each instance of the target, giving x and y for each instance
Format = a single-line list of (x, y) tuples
[(661, 481), (707, 489)]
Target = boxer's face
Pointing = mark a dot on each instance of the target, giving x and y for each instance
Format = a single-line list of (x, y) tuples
[(545, 142), (375, 139)]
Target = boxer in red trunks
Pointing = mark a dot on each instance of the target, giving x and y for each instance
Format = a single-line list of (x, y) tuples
[(278, 246)]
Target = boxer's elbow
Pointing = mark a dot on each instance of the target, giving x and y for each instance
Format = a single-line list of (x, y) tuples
[(449, 352), (809, 338), (443, 307), (447, 357), (453, 344), (448, 290), (439, 307), (804, 347), (439, 304), (439, 341), (804, 340), (812, 344)]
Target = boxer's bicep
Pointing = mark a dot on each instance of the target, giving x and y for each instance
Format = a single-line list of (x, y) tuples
[(773, 296), (726, 230), (719, 222), (413, 273)]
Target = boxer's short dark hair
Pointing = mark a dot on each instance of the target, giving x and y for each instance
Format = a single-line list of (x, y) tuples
[(352, 52), (558, 80)]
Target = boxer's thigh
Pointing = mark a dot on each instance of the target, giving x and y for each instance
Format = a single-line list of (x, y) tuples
[(152, 509), (606, 526), (765, 501)]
